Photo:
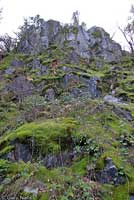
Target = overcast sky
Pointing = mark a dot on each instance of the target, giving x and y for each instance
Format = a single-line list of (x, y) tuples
[(108, 14)]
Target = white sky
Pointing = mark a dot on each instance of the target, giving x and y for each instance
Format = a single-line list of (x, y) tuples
[(105, 13)]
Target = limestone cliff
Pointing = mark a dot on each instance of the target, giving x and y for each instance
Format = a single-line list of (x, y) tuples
[(91, 43)]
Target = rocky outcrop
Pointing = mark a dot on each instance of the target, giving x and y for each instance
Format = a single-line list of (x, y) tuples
[(87, 44), (74, 82), (103, 46), (78, 85), (38, 36), (25, 152), (57, 141)]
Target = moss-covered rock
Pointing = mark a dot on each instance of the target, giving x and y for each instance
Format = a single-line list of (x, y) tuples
[(48, 137)]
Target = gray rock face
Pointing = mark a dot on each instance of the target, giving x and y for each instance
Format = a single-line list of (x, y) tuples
[(73, 56), (94, 43), (20, 87), (24, 152), (77, 39), (21, 152), (88, 44), (90, 85), (103, 46), (51, 161), (39, 37), (41, 69), (75, 82), (16, 63)]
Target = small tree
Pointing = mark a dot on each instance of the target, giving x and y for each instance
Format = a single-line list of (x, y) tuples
[(30, 23), (28, 33), (128, 31), (75, 18)]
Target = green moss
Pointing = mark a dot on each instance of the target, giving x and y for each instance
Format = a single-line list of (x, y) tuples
[(79, 167), (46, 134), (112, 153), (5, 63), (121, 192), (97, 34), (48, 78), (129, 171), (8, 116), (44, 196), (6, 150), (127, 61), (4, 166), (50, 176), (74, 30), (47, 61)]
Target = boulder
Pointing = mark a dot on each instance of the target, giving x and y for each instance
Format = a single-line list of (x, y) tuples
[(110, 99), (110, 174), (25, 152)]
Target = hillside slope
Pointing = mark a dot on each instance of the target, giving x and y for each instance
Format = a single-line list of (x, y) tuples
[(66, 116)]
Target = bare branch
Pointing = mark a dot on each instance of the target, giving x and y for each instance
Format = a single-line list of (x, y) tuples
[(130, 42), (7, 43)]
